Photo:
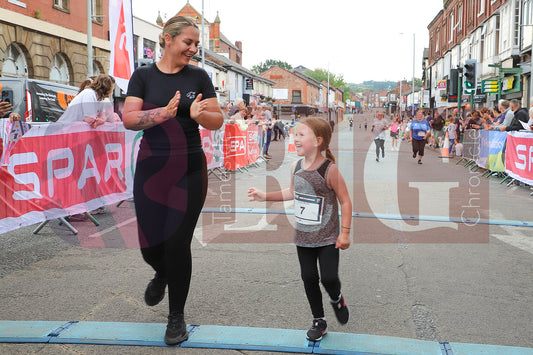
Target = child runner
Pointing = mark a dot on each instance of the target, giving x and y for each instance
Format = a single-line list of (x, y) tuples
[(316, 185)]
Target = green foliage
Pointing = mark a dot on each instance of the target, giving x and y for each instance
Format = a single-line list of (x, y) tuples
[(269, 63), (321, 75), (381, 85)]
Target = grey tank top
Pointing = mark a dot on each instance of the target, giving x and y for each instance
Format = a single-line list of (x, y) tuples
[(316, 209)]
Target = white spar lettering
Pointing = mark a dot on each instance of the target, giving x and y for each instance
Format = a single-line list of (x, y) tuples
[(61, 173), (237, 145), (113, 148), (91, 172), (26, 178), (523, 158), (114, 154)]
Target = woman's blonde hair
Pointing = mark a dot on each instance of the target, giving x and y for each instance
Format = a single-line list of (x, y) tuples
[(321, 128), (174, 26)]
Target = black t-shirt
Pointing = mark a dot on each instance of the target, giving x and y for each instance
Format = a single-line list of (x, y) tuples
[(156, 89)]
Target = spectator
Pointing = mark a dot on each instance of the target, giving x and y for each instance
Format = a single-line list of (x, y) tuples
[(240, 119), (519, 115), (508, 115), (86, 83), (5, 107), (267, 125), (452, 132), (437, 125), (90, 104), (475, 121), (238, 104)]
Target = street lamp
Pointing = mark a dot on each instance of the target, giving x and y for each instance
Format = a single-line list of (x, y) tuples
[(413, 83), (413, 91)]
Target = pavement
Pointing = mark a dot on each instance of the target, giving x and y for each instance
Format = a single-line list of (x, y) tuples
[(83, 294)]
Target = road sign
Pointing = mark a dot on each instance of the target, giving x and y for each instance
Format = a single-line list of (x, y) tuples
[(489, 86)]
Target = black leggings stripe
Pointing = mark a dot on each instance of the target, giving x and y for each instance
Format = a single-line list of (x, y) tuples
[(172, 258), (328, 259)]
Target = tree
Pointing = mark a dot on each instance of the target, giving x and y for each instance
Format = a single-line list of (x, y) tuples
[(321, 75), (269, 63)]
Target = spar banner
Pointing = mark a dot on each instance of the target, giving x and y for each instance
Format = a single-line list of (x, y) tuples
[(235, 150), (252, 143), (61, 169), (213, 146), (519, 156), (491, 147)]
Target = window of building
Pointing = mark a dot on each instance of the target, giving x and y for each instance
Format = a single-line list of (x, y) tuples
[(497, 35), (148, 49), (470, 11), (14, 62), (63, 5), (296, 96), (481, 7), (437, 43), (528, 12), (97, 69), (452, 27), (516, 26), (96, 8), (460, 19), (18, 3), (59, 70)]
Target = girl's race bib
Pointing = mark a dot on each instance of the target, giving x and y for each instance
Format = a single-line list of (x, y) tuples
[(308, 208)]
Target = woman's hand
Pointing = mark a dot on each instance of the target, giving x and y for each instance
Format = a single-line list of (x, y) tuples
[(198, 107), (256, 195), (172, 106), (95, 122), (13, 116)]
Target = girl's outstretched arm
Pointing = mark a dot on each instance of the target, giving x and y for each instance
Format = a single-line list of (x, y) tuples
[(337, 183), (282, 195)]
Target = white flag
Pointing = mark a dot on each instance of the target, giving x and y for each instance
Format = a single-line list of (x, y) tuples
[(121, 37)]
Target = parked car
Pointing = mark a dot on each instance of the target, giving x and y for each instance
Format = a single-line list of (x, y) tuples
[(37, 100)]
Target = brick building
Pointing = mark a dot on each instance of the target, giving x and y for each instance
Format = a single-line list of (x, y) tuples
[(492, 32), (300, 88), (47, 39), (218, 43)]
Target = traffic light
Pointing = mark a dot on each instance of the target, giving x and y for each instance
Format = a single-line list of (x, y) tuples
[(469, 75), (452, 85)]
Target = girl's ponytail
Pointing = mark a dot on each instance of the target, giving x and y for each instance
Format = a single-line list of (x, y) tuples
[(330, 155)]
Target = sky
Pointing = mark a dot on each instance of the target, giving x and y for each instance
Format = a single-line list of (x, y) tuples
[(361, 40)]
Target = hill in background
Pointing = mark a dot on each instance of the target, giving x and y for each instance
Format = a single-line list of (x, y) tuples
[(373, 85)]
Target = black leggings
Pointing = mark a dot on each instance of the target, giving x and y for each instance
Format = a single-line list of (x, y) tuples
[(172, 258), (328, 259), (380, 144)]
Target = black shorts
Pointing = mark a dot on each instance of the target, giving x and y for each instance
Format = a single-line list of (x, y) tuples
[(418, 146), (394, 134)]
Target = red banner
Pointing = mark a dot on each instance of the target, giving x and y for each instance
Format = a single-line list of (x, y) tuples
[(252, 143), (58, 170), (235, 147), (519, 156)]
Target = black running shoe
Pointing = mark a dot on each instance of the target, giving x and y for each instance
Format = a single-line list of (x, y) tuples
[(176, 329), (414, 155), (420, 162), (341, 310), (155, 291), (318, 330)]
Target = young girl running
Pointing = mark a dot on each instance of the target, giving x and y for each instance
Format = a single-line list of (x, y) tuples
[(316, 184)]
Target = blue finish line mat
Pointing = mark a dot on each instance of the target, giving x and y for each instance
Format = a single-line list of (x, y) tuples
[(237, 338)]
